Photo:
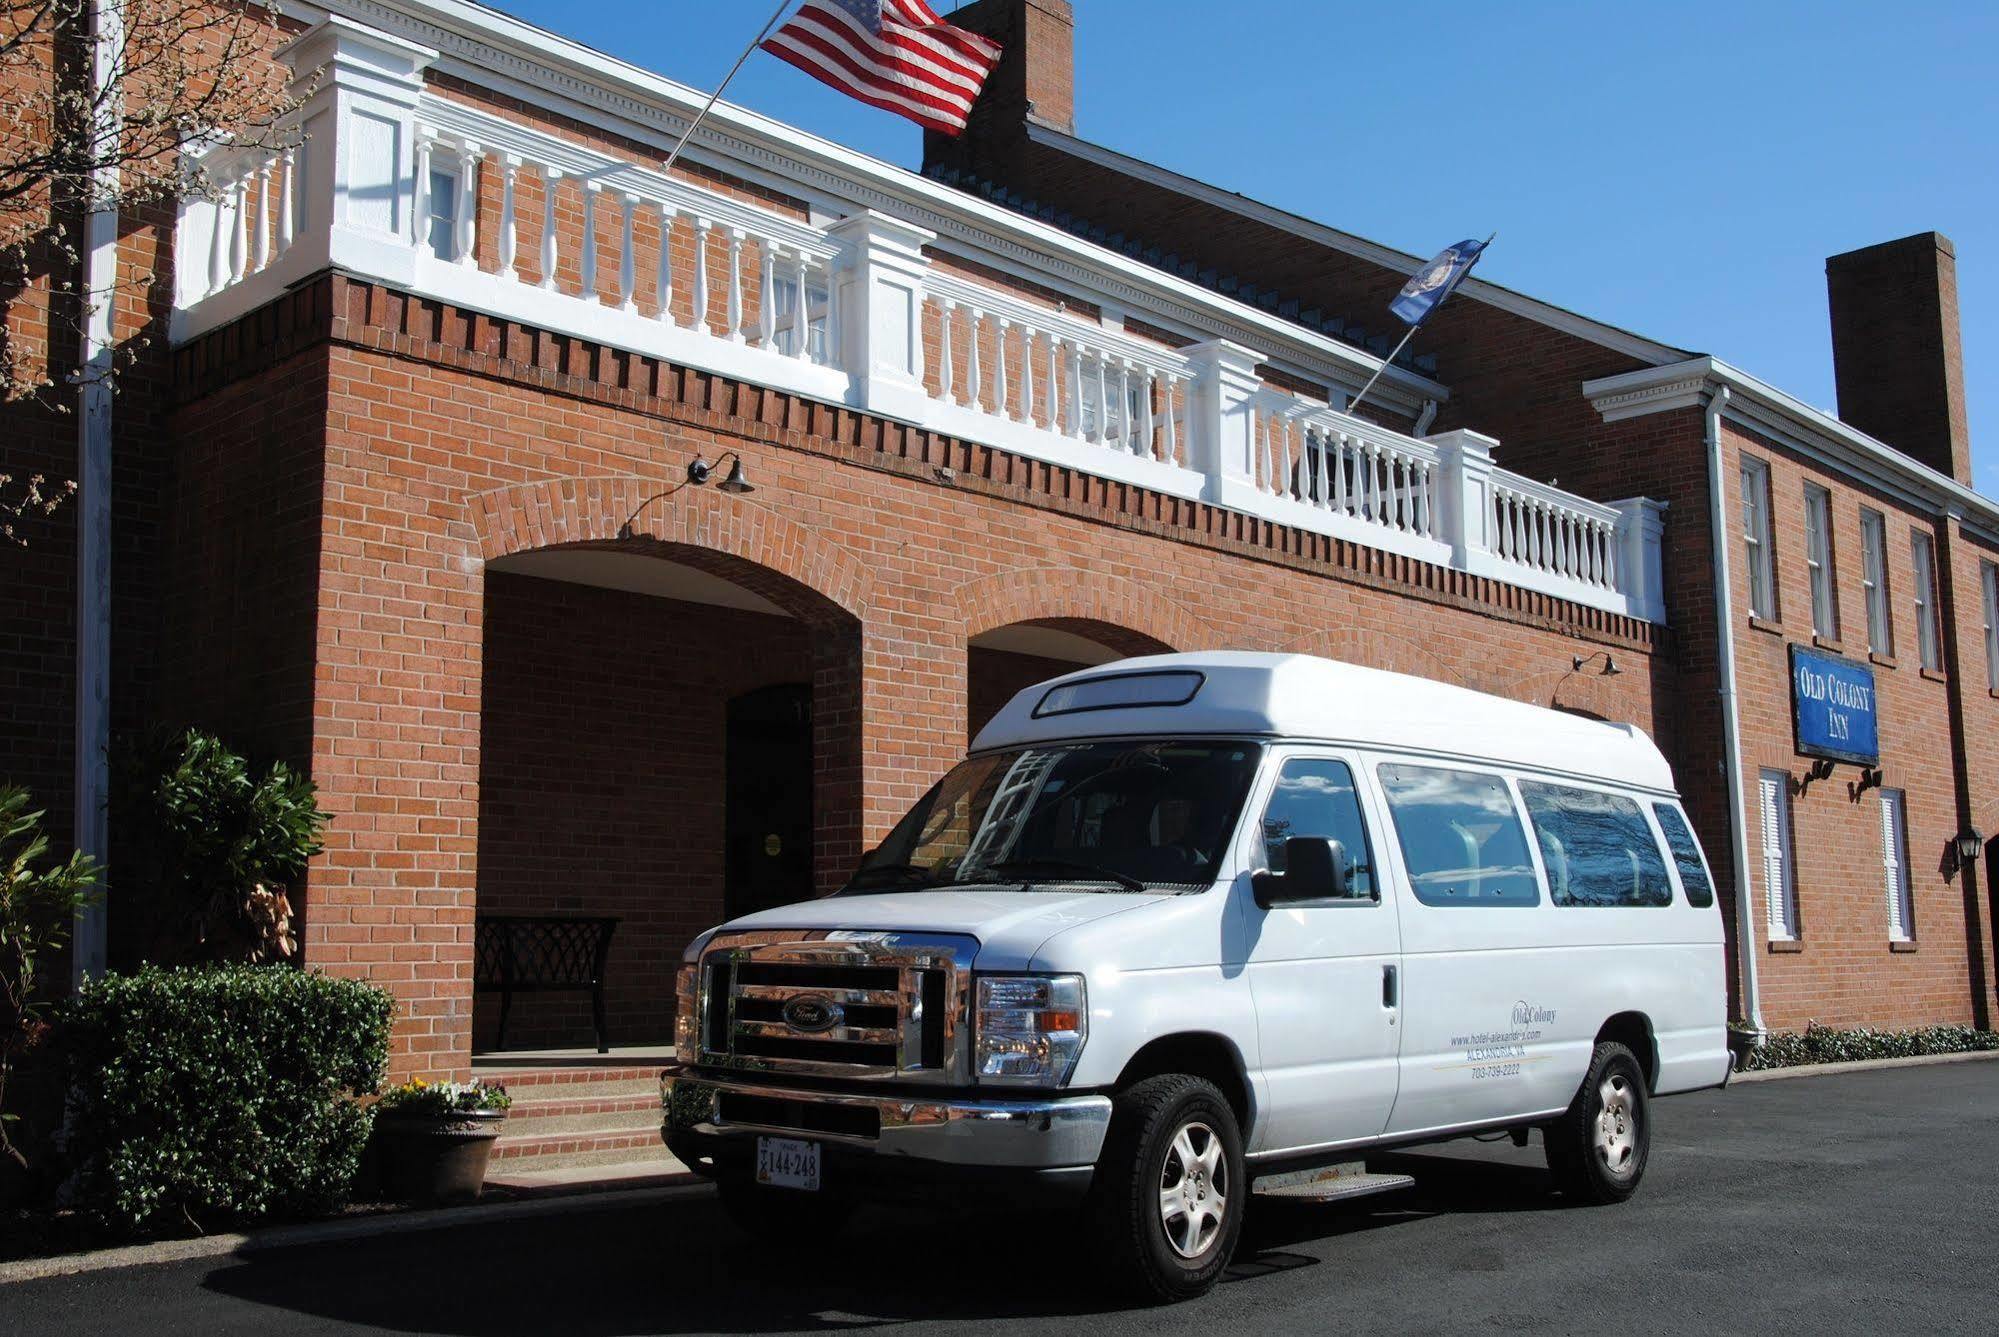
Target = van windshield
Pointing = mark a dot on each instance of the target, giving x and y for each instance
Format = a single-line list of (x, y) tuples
[(1109, 816)]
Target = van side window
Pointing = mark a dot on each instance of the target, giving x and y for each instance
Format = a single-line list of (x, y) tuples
[(1315, 797), (1597, 847), (1461, 837), (1686, 853)]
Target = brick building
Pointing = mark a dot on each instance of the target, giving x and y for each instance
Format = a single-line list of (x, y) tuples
[(403, 499)]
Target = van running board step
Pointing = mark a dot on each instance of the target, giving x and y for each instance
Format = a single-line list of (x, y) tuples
[(1333, 1184)]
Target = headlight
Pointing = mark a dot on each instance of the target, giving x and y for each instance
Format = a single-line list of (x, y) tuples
[(686, 1017), (1030, 1028)]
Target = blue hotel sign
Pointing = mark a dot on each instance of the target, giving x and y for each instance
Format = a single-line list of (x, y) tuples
[(1832, 707)]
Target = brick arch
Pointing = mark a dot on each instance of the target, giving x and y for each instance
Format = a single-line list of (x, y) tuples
[(803, 572), (1114, 610)]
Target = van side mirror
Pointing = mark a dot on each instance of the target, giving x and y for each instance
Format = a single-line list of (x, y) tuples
[(1316, 868)]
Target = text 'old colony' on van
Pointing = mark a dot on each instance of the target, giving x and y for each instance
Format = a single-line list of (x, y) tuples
[(1187, 928)]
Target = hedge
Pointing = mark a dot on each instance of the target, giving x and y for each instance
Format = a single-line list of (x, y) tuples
[(1827, 1044), (214, 1096)]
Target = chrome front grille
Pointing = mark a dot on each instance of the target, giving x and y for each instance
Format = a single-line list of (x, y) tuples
[(825, 1003)]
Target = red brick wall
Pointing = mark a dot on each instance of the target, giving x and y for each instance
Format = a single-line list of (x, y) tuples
[(992, 677), (601, 780)]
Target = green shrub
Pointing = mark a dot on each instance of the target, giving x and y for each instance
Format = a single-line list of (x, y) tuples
[(211, 1096), (1827, 1044)]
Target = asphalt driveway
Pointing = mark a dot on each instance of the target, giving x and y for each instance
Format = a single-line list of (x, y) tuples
[(1857, 1203)]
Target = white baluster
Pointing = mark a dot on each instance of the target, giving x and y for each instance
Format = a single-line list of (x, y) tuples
[(420, 217), (1000, 326), (832, 354), (588, 258), (464, 242), (801, 313), (218, 241), (288, 200), (1610, 574), (1075, 387), (1106, 424), (1146, 383), (702, 227), (767, 294), (628, 269), (946, 372), (1054, 382), (1171, 384), (663, 283), (735, 285), (261, 217), (1427, 521), (1125, 423), (1027, 374), (550, 180), (975, 322), (238, 197), (510, 231)]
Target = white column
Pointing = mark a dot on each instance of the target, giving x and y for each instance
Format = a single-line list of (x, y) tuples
[(1465, 514), (238, 197), (1170, 387), (218, 240), (702, 227), (510, 232), (1219, 419), (1027, 374), (664, 288), (1146, 385), (260, 254), (1054, 382), (1075, 387), (801, 312), (767, 294), (288, 199), (551, 180), (420, 213), (1000, 326), (628, 267), (945, 306), (1639, 555), (879, 293), (974, 321)]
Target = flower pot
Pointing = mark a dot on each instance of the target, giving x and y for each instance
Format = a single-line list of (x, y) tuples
[(437, 1159)]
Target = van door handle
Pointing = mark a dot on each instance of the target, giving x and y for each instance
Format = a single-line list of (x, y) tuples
[(1388, 987)]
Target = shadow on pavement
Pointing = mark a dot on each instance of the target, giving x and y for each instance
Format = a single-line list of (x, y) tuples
[(683, 1267)]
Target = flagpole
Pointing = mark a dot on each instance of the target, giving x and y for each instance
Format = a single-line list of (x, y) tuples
[(716, 96), (1354, 403)]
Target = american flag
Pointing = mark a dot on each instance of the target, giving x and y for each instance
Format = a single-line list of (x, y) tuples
[(894, 54)]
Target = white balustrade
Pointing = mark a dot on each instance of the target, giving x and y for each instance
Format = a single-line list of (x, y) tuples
[(854, 312)]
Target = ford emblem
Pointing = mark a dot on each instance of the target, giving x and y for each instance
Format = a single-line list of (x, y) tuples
[(812, 1013)]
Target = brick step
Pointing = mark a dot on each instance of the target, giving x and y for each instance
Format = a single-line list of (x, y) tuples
[(574, 1083), (592, 1114), (531, 1153)]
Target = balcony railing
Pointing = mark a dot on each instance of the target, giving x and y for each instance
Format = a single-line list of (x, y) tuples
[(394, 182)]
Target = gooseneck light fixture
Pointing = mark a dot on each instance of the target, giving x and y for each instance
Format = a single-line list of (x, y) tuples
[(1609, 669), (699, 471)]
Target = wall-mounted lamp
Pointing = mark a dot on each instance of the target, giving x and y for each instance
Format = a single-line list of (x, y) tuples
[(699, 471), (1818, 770), (1609, 669), (1970, 844), (1870, 778)]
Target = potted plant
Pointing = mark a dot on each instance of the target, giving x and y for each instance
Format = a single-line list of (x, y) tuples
[(436, 1137)]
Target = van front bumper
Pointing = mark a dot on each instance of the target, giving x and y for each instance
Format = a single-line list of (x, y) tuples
[(718, 1119)]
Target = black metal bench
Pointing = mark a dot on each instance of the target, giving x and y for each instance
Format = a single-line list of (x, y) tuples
[(542, 954)]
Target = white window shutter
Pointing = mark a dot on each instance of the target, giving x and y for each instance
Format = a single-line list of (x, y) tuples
[(1777, 888), (1894, 871)]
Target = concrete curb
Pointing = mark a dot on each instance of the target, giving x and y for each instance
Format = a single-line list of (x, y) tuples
[(249, 1243), (1860, 1065)]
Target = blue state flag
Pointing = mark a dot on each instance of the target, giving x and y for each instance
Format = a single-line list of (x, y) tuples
[(1435, 281)]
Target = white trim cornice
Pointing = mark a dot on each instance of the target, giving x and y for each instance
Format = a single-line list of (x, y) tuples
[(490, 49), (1796, 425), (1401, 262)]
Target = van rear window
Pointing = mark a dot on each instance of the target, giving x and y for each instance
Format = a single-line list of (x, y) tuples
[(1596, 847), (1121, 691)]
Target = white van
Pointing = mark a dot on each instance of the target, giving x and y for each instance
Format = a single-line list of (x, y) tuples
[(1186, 928)]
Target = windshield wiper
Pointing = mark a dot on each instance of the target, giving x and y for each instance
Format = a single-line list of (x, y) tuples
[(1056, 868)]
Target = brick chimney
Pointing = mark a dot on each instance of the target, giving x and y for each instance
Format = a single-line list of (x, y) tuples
[(1034, 81), (1895, 350)]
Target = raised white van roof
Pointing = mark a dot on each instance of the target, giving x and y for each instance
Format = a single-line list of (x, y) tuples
[(1299, 696)]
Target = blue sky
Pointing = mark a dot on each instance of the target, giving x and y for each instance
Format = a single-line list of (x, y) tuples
[(1680, 171)]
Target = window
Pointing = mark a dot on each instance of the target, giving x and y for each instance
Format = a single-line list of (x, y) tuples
[(1988, 579), (1874, 542), (1121, 691), (1461, 837), (1596, 847), (1780, 892), (441, 227), (1818, 561), (1686, 854), (784, 319), (1756, 538), (1895, 866), (1923, 553), (1315, 797)]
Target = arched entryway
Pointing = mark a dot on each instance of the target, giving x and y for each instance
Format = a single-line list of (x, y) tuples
[(667, 739), (1002, 660)]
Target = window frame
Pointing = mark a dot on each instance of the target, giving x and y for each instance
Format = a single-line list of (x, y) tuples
[(1929, 636), (1819, 550), (1255, 851), (1759, 557), (452, 202), (1556, 787), (1874, 582), (1988, 581), (1393, 825), (1661, 808)]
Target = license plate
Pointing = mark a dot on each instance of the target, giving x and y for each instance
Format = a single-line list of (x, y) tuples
[(785, 1162)]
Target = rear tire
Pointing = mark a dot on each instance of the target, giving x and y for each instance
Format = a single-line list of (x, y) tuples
[(1171, 1185), (1597, 1148), (783, 1216)]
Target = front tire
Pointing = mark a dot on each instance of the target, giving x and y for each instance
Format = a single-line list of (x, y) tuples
[(781, 1216), (1598, 1147), (1170, 1189)]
